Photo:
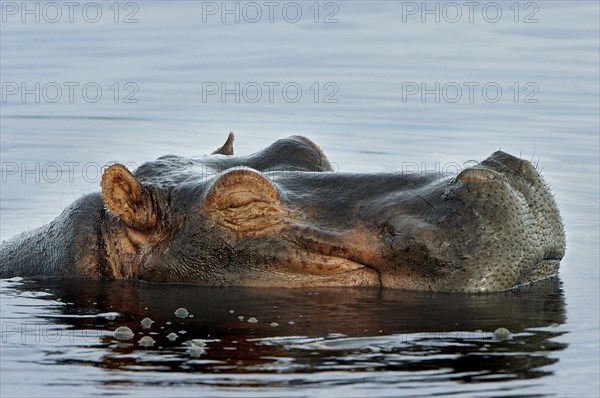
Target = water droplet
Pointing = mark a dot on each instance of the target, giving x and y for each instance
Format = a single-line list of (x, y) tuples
[(172, 336), (502, 334), (146, 341), (195, 350), (123, 333), (146, 323), (181, 313)]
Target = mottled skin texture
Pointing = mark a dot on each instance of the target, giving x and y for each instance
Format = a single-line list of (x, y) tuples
[(281, 217)]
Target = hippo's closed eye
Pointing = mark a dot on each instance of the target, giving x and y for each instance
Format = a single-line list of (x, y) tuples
[(244, 201)]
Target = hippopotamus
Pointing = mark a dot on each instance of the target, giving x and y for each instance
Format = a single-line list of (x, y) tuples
[(282, 217)]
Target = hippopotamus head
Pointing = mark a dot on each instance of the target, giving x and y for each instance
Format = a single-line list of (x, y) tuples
[(282, 217)]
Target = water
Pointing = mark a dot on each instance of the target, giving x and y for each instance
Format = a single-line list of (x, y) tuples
[(55, 340)]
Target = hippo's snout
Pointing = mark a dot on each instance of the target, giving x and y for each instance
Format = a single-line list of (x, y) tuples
[(507, 228)]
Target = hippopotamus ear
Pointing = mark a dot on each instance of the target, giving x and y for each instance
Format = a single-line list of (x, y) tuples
[(243, 200), (227, 148), (127, 199)]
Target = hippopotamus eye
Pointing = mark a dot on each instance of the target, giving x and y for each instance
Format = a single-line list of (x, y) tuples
[(243, 200)]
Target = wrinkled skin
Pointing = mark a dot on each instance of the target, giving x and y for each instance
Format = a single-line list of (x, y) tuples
[(281, 217)]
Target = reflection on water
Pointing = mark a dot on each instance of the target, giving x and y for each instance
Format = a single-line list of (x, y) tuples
[(448, 338)]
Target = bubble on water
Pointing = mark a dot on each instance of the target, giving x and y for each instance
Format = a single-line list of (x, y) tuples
[(172, 336), (196, 351), (252, 320), (318, 346), (181, 313), (291, 323), (241, 317), (109, 315), (197, 348), (274, 324), (123, 333), (146, 341), (231, 311), (502, 334), (146, 323)]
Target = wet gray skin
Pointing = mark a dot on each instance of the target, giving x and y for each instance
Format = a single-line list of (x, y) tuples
[(281, 217)]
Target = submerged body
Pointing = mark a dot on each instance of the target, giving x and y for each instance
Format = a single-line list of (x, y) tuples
[(281, 217)]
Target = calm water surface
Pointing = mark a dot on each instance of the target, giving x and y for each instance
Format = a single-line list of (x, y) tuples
[(158, 76)]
